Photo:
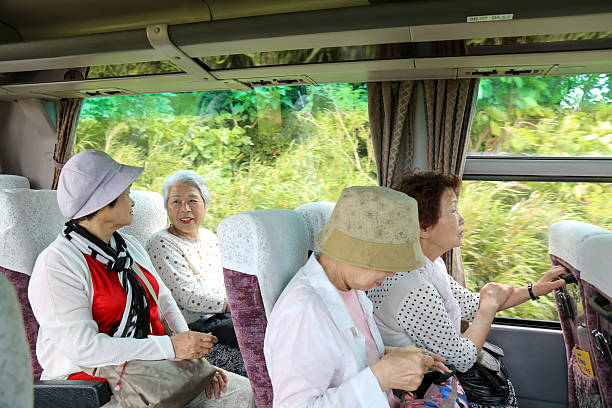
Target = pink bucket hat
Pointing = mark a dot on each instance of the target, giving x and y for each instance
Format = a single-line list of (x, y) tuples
[(90, 180)]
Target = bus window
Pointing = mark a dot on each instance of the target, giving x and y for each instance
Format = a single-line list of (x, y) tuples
[(536, 156), (274, 147), (280, 147), (506, 231)]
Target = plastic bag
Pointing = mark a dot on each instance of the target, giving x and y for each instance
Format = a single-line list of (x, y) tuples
[(486, 382)]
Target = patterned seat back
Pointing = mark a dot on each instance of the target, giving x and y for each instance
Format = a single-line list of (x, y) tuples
[(260, 252), (596, 277), (567, 243), (316, 216), (149, 215), (10, 181), (29, 221), (15, 376)]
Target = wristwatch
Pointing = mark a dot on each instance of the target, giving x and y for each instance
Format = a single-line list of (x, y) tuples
[(530, 290)]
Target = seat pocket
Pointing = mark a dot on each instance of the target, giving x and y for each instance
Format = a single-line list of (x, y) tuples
[(586, 387)]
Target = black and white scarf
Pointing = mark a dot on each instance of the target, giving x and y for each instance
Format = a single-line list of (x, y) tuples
[(135, 321)]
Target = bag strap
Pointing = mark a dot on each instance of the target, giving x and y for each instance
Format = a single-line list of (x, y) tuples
[(89, 370), (493, 349), (147, 283)]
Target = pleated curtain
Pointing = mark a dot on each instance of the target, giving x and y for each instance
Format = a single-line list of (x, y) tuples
[(449, 108), (67, 120), (391, 113)]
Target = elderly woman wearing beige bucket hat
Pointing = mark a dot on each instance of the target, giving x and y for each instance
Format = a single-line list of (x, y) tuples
[(322, 346), (92, 308)]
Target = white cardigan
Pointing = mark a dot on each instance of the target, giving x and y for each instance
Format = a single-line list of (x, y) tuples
[(314, 353), (191, 270), (61, 293)]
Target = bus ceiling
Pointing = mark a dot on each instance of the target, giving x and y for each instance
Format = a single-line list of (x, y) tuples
[(152, 46)]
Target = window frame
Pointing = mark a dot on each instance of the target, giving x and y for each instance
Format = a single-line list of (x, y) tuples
[(533, 323), (508, 168), (551, 169), (538, 168)]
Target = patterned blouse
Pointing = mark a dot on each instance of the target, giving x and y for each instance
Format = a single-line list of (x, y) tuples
[(191, 270), (409, 311)]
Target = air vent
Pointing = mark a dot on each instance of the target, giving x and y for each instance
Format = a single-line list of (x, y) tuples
[(278, 81), (92, 93), (503, 71)]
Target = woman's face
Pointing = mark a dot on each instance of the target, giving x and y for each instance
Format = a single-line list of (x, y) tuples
[(357, 277), (186, 209), (121, 213), (447, 233)]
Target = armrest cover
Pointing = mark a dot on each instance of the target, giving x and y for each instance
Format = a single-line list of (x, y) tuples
[(61, 394)]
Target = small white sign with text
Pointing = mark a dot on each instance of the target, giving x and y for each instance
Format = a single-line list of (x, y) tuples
[(490, 17)]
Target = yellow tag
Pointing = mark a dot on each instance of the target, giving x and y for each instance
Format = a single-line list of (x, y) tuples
[(584, 362)]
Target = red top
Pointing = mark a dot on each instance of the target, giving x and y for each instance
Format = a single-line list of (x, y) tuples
[(109, 300)]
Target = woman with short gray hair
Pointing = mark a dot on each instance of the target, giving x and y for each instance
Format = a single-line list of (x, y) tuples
[(188, 260), (186, 177)]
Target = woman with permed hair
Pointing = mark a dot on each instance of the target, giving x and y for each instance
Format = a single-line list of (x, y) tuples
[(424, 307)]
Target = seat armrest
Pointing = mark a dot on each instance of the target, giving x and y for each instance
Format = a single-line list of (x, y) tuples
[(71, 393)]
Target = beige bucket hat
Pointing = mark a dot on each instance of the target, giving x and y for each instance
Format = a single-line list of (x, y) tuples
[(375, 228)]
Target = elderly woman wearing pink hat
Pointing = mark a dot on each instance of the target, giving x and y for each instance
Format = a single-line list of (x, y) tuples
[(322, 346), (92, 308)]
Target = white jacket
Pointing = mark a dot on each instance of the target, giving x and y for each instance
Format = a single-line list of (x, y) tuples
[(314, 353), (61, 294)]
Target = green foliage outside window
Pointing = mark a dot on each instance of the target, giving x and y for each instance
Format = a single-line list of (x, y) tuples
[(506, 231), (315, 141), (544, 116), (321, 146)]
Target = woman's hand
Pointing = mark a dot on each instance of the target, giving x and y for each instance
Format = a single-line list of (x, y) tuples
[(403, 367), (217, 385), (549, 281), (190, 345), (493, 296), (227, 306), (438, 360)]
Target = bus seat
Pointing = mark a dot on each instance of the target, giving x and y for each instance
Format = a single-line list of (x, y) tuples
[(260, 252), (29, 221), (17, 390), (565, 243), (149, 215), (596, 277), (15, 376), (316, 215), (11, 181)]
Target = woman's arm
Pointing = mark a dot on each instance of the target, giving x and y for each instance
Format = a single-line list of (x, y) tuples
[(303, 359), (59, 295), (547, 283), (468, 300), (423, 317), (492, 296), (478, 331), (210, 240), (481, 318)]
